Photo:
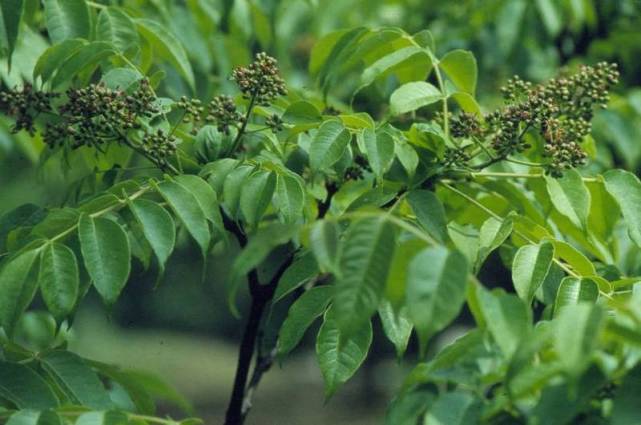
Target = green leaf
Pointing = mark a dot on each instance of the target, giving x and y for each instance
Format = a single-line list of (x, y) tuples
[(492, 235), (117, 28), (186, 206), (340, 356), (324, 243), (34, 417), (16, 288), (25, 388), (328, 145), (157, 226), (429, 213), (52, 58), (232, 188), (577, 329), (407, 156), (570, 197), (396, 326), (59, 279), (435, 293), (397, 276), (289, 198), (106, 252), (529, 268), (111, 417), (11, 13), (168, 47), (573, 291), (387, 64), (67, 19), (460, 66), (311, 305), (411, 96), (78, 381), (625, 188), (364, 264), (302, 269), (256, 195), (88, 56), (625, 409), (454, 408), (508, 319), (379, 148), (205, 196)]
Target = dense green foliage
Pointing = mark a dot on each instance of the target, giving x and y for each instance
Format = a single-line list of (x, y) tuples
[(377, 186)]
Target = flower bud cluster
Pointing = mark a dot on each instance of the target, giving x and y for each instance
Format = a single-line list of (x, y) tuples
[(158, 147), (24, 104), (275, 123), (260, 80), (559, 110), (223, 112)]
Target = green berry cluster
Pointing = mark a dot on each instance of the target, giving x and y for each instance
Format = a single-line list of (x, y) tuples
[(96, 114), (193, 110), (25, 104), (456, 157), (158, 147), (223, 112), (275, 123), (260, 80), (466, 125), (560, 111)]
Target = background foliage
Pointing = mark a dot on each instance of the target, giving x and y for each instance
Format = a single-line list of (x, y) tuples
[(550, 325)]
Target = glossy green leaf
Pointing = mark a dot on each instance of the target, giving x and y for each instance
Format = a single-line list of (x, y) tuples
[(340, 356), (67, 19), (52, 58), (24, 387), (157, 226), (396, 326), (573, 291), (106, 253), (436, 282), (186, 206), (397, 276), (116, 27), (204, 194), (454, 408), (328, 145), (289, 197), (429, 213), (379, 148), (383, 66), (324, 243), (11, 13), (311, 305), (508, 319), (302, 269), (529, 268), (59, 279), (111, 417), (577, 329), (256, 195), (491, 236), (87, 57), (364, 264), (16, 287), (77, 380), (460, 66), (411, 96), (570, 197), (168, 47), (625, 188), (232, 188)]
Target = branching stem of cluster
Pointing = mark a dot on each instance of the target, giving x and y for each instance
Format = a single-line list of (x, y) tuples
[(243, 127), (520, 175)]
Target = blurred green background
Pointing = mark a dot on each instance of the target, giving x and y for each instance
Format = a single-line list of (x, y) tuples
[(183, 329)]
